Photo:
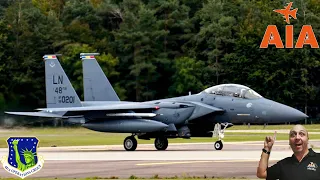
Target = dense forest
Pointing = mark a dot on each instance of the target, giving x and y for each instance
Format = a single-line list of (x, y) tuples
[(158, 48)]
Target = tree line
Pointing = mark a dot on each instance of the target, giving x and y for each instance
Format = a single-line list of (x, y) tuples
[(158, 48)]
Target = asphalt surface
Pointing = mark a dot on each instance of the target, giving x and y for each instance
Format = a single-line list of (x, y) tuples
[(238, 160)]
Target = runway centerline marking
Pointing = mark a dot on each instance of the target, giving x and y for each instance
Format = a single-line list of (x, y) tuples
[(190, 162), (260, 144)]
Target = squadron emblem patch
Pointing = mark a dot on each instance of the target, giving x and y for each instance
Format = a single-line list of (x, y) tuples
[(22, 159), (312, 166)]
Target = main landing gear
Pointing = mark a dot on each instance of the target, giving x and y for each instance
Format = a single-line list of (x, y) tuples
[(218, 145), (161, 143), (130, 143)]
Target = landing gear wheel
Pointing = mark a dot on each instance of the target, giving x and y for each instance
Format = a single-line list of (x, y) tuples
[(218, 145), (161, 143), (130, 143), (220, 133)]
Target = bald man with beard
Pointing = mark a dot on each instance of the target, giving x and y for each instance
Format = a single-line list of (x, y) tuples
[(302, 165)]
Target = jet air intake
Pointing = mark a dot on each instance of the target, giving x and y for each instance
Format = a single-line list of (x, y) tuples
[(126, 126)]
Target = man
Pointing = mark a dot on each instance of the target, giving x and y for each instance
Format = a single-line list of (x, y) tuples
[(303, 164)]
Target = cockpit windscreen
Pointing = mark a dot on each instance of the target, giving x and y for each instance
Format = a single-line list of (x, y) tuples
[(234, 90)]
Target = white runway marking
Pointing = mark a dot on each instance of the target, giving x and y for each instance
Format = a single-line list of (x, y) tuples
[(175, 152), (191, 162), (158, 155)]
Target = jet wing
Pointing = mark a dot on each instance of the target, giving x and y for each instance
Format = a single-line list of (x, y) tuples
[(129, 106), (77, 111), (38, 114)]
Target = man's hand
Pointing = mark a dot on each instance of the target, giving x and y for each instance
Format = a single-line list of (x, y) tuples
[(268, 143), (15, 142), (263, 163)]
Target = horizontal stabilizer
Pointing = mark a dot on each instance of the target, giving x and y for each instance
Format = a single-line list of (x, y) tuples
[(129, 106), (38, 114)]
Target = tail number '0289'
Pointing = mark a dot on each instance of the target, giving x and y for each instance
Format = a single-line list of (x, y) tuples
[(66, 99)]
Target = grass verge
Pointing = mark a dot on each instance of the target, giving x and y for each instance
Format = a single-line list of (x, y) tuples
[(81, 137), (309, 127)]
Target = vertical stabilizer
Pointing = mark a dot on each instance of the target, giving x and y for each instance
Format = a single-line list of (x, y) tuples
[(96, 86), (59, 90)]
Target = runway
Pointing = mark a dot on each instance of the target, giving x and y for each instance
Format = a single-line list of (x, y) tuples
[(238, 160)]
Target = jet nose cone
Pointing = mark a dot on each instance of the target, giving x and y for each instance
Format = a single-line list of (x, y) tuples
[(274, 112), (296, 115), (289, 114)]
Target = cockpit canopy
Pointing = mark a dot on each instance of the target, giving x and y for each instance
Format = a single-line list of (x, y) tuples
[(234, 90)]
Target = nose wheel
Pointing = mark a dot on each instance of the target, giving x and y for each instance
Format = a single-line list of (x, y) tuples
[(218, 145), (218, 131), (130, 143), (161, 143)]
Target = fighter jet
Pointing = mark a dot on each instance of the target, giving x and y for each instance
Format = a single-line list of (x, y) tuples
[(287, 12), (209, 112)]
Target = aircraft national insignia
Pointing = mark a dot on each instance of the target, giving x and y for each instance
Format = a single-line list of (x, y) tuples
[(22, 160)]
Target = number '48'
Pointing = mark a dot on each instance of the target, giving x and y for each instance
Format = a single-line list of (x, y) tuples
[(58, 90)]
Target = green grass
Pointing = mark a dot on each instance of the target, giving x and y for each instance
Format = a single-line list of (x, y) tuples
[(81, 137), (309, 127)]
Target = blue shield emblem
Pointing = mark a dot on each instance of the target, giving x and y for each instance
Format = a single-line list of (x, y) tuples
[(22, 159)]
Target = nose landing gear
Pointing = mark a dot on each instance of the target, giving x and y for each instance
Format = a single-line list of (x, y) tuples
[(218, 145)]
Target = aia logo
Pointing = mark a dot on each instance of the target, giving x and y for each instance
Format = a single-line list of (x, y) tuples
[(272, 36)]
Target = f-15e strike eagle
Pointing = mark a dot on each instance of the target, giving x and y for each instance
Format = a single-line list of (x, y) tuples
[(199, 115)]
